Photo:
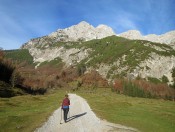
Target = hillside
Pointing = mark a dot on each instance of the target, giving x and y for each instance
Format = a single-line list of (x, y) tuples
[(112, 57), (128, 54)]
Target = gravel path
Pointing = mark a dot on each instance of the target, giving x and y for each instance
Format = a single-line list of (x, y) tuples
[(81, 119)]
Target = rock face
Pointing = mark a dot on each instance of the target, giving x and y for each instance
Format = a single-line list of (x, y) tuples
[(156, 66), (69, 56), (167, 38), (131, 34), (83, 31)]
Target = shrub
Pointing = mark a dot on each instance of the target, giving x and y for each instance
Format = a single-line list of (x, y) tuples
[(93, 80), (142, 88), (6, 71), (173, 76), (165, 79), (154, 80), (133, 90), (81, 68), (118, 86)]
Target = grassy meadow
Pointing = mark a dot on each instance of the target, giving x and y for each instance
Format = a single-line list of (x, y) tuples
[(146, 115), (25, 113)]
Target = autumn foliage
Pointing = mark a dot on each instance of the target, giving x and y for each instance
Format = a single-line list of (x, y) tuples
[(45, 78), (6, 67), (93, 79), (142, 88)]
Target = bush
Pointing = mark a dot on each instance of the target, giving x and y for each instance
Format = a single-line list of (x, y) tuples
[(7, 69), (173, 76), (93, 80), (118, 86), (133, 90), (81, 68), (154, 80), (165, 79)]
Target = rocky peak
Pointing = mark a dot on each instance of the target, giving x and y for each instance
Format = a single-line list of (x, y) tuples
[(80, 26), (82, 31), (83, 23), (104, 31), (104, 27), (167, 38), (85, 31), (131, 34)]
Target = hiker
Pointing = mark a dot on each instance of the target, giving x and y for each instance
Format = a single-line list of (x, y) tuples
[(65, 107)]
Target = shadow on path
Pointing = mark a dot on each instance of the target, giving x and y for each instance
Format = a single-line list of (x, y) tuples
[(76, 116)]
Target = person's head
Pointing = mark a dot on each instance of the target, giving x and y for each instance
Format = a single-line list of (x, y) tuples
[(66, 95)]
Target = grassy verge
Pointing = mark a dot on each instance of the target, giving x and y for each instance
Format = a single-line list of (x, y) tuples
[(147, 115), (25, 113)]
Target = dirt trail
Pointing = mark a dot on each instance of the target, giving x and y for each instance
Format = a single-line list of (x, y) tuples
[(81, 119)]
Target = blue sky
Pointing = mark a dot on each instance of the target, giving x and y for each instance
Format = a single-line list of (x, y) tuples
[(21, 20)]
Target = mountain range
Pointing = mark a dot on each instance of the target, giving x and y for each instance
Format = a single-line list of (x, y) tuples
[(85, 32), (167, 38), (129, 54)]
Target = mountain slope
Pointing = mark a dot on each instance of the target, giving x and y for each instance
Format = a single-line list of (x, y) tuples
[(112, 56)]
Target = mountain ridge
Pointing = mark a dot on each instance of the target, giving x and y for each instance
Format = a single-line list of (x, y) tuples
[(83, 31), (166, 38), (110, 54)]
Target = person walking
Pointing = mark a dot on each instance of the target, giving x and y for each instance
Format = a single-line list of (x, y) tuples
[(65, 107)]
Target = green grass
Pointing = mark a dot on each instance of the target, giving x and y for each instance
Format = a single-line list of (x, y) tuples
[(20, 55), (147, 115), (25, 113), (57, 62), (6, 90), (154, 80)]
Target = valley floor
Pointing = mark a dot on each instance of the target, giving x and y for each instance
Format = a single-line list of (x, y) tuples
[(80, 119)]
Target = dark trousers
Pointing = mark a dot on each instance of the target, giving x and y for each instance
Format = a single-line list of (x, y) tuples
[(66, 110)]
